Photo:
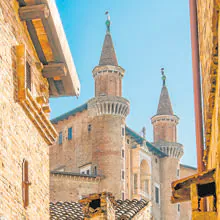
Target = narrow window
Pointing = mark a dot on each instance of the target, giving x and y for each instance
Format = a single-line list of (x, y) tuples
[(123, 153), (128, 141), (157, 199), (178, 172), (28, 76), (135, 181), (123, 196), (87, 172), (123, 132), (178, 207), (70, 133), (25, 183), (89, 127), (60, 137), (95, 170), (123, 174)]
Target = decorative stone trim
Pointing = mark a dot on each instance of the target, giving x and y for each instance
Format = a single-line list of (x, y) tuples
[(98, 70), (171, 149), (170, 118), (33, 109), (109, 105)]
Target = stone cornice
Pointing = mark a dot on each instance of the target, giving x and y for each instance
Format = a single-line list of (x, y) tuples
[(32, 108), (108, 69), (171, 118), (109, 105)]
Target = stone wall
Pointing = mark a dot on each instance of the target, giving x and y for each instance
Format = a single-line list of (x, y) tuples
[(19, 138), (168, 174), (71, 188), (185, 207), (75, 152)]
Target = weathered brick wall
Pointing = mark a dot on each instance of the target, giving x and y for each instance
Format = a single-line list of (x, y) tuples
[(107, 142), (168, 174), (185, 207), (19, 137), (70, 188), (109, 84), (208, 45), (76, 152)]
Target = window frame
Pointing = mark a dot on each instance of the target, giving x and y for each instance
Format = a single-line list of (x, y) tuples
[(70, 134), (157, 189)]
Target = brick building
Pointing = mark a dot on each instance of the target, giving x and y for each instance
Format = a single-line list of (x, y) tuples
[(96, 151), (35, 64), (203, 188)]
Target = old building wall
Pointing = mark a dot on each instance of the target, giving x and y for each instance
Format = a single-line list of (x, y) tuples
[(19, 138), (155, 181), (168, 173), (209, 38), (75, 152), (185, 207), (108, 140), (71, 188)]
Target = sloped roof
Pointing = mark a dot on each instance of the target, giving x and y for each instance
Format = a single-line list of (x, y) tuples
[(108, 55), (66, 211), (129, 208), (70, 113), (164, 106), (73, 210), (140, 140), (187, 166)]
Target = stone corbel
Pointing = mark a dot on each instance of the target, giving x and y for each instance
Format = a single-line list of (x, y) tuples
[(33, 107)]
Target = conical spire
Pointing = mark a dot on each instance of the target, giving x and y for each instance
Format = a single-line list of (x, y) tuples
[(164, 106), (108, 56)]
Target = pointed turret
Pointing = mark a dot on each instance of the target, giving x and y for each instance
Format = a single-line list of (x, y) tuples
[(108, 55), (108, 74), (164, 122), (164, 106)]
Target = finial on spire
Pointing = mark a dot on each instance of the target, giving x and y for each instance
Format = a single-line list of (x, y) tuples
[(108, 22), (163, 77)]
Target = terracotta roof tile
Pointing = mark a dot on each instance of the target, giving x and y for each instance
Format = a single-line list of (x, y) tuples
[(66, 211)]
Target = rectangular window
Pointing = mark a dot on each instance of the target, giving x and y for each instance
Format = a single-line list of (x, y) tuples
[(128, 141), (70, 133), (178, 172), (60, 137), (157, 196), (123, 153), (135, 181), (123, 196), (28, 76), (89, 127), (178, 207), (87, 172), (123, 132), (123, 174)]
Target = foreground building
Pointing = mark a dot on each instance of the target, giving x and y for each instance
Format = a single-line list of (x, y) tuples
[(35, 64), (96, 151), (203, 189)]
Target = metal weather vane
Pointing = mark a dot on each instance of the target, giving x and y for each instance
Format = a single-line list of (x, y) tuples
[(108, 21), (163, 76)]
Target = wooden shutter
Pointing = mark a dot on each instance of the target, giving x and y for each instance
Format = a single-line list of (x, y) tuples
[(25, 183)]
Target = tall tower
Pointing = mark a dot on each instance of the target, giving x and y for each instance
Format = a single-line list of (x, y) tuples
[(107, 112), (165, 138)]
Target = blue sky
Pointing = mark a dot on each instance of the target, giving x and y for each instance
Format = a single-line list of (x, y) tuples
[(147, 35)]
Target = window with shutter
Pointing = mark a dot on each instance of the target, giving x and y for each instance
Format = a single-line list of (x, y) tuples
[(28, 76), (25, 183)]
